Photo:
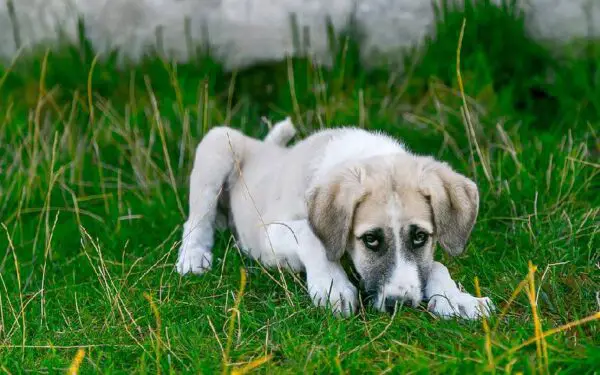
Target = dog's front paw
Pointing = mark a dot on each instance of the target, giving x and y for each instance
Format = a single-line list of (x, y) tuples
[(194, 260), (334, 292), (461, 305)]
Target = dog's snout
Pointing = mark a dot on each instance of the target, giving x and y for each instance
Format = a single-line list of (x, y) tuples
[(403, 288)]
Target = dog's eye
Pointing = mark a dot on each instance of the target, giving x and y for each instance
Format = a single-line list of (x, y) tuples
[(372, 241), (419, 238)]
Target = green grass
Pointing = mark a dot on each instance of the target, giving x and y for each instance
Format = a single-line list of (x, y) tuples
[(94, 165)]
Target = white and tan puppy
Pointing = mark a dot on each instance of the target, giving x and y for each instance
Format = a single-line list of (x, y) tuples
[(338, 191)]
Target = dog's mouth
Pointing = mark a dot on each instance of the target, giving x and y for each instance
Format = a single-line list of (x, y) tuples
[(351, 271), (372, 295), (367, 296), (375, 297), (389, 304)]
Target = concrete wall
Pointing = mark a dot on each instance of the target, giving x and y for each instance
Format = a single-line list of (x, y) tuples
[(241, 32)]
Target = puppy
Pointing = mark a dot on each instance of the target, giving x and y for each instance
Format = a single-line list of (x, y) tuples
[(343, 191)]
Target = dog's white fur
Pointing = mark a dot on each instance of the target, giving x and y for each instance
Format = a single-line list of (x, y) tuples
[(272, 191)]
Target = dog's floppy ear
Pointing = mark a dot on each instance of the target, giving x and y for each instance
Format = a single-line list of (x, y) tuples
[(331, 207), (455, 203)]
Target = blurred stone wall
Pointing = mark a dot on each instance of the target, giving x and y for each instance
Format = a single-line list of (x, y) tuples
[(242, 32)]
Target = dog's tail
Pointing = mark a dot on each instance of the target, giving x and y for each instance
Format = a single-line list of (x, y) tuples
[(281, 133)]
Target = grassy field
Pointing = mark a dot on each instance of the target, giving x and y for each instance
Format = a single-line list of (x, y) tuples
[(94, 163)]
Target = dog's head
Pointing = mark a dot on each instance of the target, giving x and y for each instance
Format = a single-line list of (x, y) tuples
[(388, 212)]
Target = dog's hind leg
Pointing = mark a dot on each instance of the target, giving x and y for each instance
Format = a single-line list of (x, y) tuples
[(281, 133), (214, 165)]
